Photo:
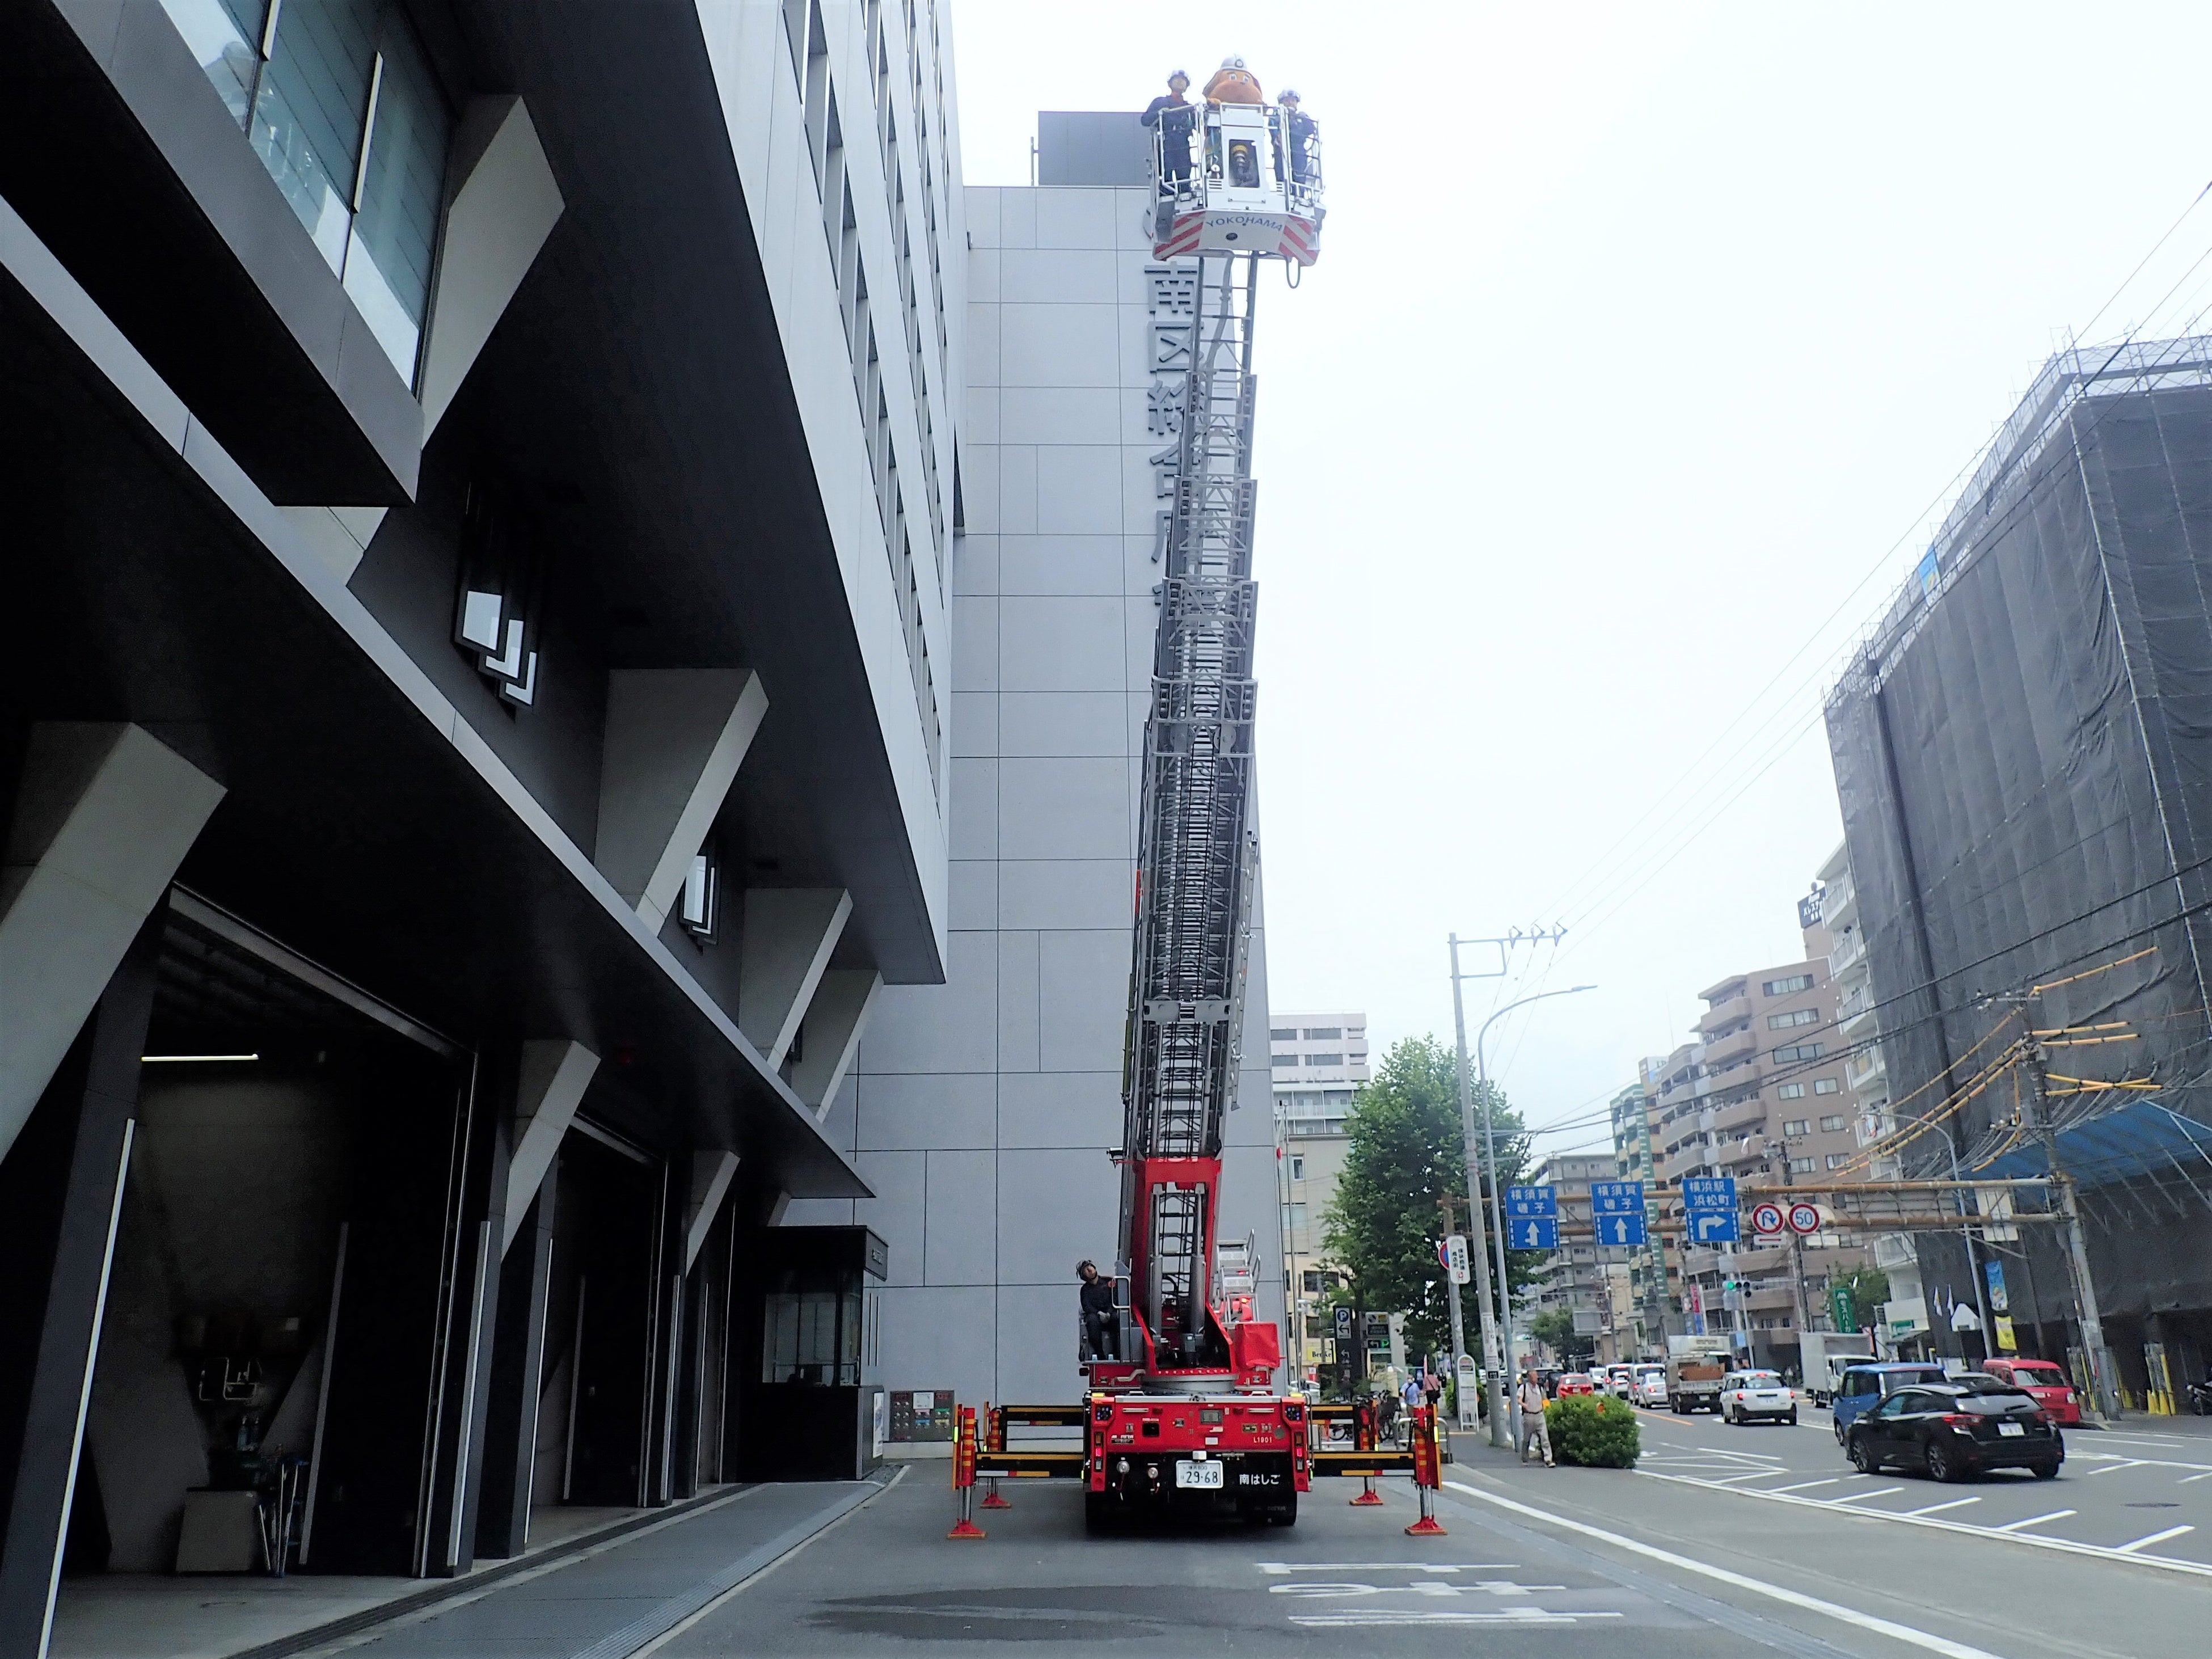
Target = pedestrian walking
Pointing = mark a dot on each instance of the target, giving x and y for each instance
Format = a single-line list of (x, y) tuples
[(1533, 1428)]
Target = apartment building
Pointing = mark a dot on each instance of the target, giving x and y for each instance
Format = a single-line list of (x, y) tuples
[(1318, 1062), (1577, 1276), (1761, 1095)]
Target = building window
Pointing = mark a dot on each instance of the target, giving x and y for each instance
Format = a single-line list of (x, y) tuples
[(1794, 1127), (1294, 1217), (1283, 1034), (1802, 1051), (1794, 1017), (1325, 1033), (1788, 1090), (1297, 1166), (1311, 1279), (1827, 1085), (1832, 1122), (1324, 1059), (1785, 988), (1801, 1166), (339, 101), (1282, 1060), (1837, 1160)]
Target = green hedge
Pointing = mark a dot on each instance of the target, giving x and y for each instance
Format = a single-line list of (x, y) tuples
[(1593, 1431)]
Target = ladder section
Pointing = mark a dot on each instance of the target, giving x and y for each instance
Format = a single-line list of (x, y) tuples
[(1196, 854)]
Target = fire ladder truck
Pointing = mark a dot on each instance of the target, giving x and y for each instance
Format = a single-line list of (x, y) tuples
[(1186, 1417)]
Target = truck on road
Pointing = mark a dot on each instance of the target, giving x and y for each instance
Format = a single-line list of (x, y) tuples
[(1695, 1366), (1823, 1355)]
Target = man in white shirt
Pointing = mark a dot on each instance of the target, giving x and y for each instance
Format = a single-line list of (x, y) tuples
[(1532, 1425)]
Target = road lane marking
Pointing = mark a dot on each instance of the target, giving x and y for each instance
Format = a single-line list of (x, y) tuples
[(2035, 1521), (2155, 1538), (2186, 1479), (1832, 1480), (1279, 1567), (2005, 1533), (1955, 1504), (1849, 1498), (1391, 1616), (1926, 1640), (2124, 1463)]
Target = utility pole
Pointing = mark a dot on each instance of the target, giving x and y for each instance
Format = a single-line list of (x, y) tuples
[(1451, 1297), (1478, 1244), (2090, 1319)]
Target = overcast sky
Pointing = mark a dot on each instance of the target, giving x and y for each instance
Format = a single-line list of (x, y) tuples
[(1644, 348)]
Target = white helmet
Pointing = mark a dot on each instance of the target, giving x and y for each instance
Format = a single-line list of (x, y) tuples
[(1232, 62)]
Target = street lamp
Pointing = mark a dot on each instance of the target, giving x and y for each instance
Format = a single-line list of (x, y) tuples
[(1498, 1356)]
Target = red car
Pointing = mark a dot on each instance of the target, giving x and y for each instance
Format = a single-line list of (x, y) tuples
[(1576, 1382), (2043, 1381)]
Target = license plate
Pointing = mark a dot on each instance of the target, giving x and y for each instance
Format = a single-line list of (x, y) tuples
[(2012, 1428), (1206, 1476)]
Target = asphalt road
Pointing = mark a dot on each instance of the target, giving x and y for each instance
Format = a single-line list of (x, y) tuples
[(2138, 1489), (1570, 1561)]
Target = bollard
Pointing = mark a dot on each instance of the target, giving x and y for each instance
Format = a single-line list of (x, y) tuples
[(1428, 1472), (996, 1417), (963, 1472)]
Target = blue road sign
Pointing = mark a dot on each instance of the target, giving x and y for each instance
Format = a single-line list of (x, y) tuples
[(1523, 1202), (1708, 1192), (1616, 1230), (1533, 1232), (1713, 1227), (1612, 1198)]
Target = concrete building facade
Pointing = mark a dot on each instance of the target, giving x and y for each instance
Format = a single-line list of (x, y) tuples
[(470, 751), (1319, 1063), (983, 1111)]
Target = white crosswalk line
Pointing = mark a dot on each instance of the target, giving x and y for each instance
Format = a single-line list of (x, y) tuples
[(2034, 1520)]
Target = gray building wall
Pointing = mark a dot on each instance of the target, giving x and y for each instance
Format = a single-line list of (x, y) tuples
[(980, 1111)]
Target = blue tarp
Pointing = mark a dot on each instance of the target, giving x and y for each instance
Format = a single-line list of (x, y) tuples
[(2141, 1138)]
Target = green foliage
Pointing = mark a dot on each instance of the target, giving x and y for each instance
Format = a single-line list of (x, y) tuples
[(1406, 1151), (1595, 1432), (1869, 1289), (1555, 1329)]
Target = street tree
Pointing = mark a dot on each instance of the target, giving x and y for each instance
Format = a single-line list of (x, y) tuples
[(1384, 1224), (1555, 1329)]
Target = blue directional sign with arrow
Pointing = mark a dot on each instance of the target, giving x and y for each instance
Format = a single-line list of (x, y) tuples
[(1709, 1209), (1533, 1232), (1532, 1218), (1617, 1208)]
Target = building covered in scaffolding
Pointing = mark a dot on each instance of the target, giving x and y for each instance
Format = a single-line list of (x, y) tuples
[(2023, 754)]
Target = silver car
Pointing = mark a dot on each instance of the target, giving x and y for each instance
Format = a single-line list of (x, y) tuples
[(1748, 1394)]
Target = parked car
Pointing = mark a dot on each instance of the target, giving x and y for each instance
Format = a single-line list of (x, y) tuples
[(1649, 1387), (2044, 1382), (1575, 1382), (1748, 1394), (1951, 1429), (1864, 1387)]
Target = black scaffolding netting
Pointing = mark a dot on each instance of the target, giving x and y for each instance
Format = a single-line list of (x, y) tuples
[(2023, 754)]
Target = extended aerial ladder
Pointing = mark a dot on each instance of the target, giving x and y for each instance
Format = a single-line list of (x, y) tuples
[(1186, 1413)]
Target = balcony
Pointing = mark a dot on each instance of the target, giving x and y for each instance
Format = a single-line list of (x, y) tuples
[(1737, 1045), (1838, 902), (1894, 1250), (1730, 1122), (1850, 952), (1865, 1067), (1735, 1009), (1855, 1014)]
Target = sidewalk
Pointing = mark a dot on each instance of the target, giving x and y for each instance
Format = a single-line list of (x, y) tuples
[(581, 1592)]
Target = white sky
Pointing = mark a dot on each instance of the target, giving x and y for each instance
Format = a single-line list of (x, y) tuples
[(1643, 342)]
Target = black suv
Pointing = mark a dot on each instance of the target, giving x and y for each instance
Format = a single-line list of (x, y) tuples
[(1952, 1429)]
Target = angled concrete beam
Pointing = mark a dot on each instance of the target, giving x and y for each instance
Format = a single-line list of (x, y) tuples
[(504, 207), (789, 934), (552, 1078), (833, 1023), (710, 1183), (104, 816), (675, 738)]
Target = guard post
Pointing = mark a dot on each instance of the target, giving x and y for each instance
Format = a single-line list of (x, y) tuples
[(1428, 1472), (996, 1416), (963, 1472), (1364, 1438)]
